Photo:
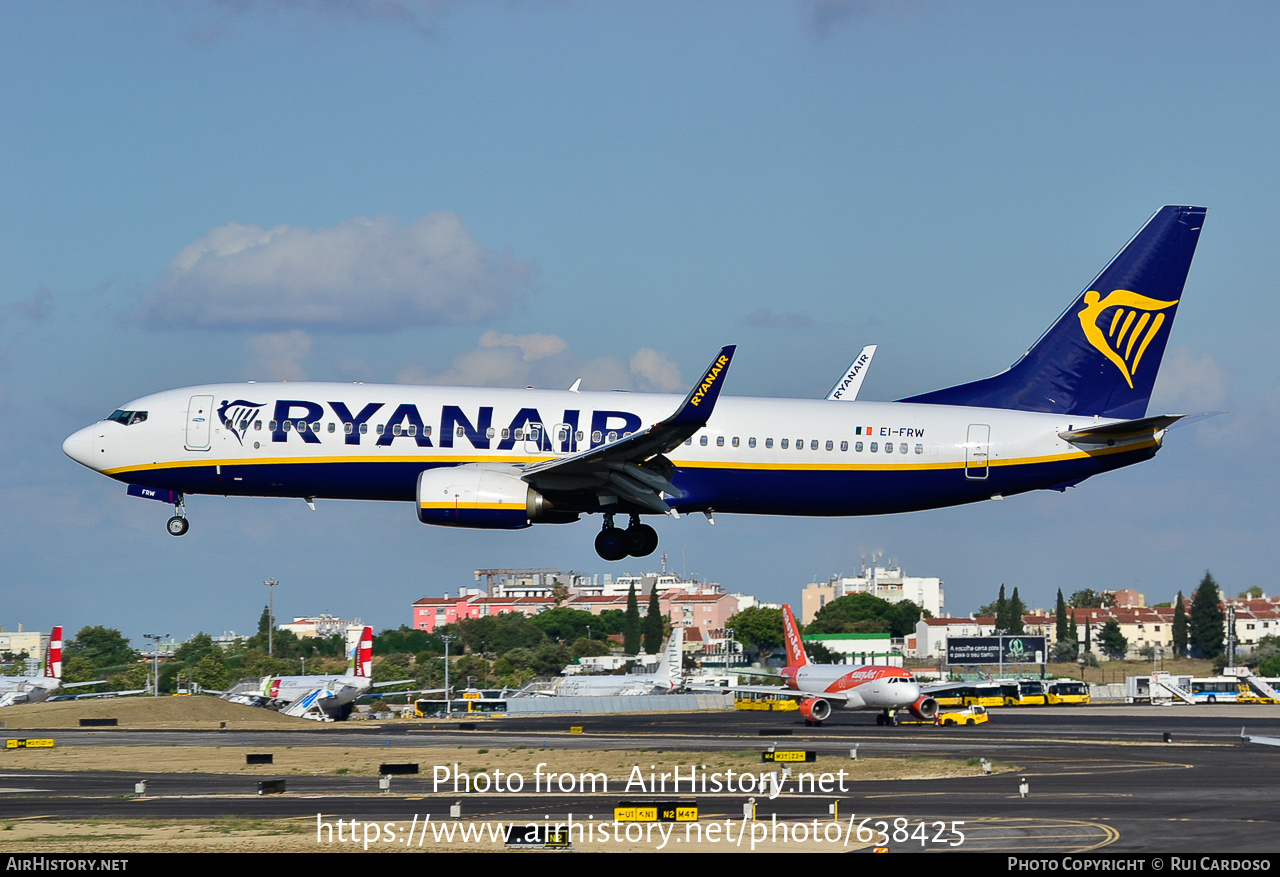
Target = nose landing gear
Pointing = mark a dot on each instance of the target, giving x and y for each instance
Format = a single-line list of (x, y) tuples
[(178, 524)]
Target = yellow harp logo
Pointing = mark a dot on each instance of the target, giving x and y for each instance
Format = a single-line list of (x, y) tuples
[(1131, 329)]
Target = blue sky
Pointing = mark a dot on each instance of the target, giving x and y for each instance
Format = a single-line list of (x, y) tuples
[(613, 191)]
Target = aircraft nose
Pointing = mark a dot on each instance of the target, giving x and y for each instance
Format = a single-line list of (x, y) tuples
[(79, 446)]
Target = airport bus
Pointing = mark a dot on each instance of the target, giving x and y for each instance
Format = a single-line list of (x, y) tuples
[(1217, 689), (1024, 692), (470, 703), (750, 700), (1066, 691)]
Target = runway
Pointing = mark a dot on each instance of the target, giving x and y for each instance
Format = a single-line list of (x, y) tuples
[(1098, 779)]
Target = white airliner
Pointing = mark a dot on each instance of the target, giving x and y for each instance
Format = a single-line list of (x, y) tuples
[(1073, 406), (820, 688), (668, 678), (315, 697), (34, 689)]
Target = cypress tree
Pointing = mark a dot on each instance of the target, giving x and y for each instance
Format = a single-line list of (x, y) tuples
[(631, 625), (1002, 610), (1181, 628), (1016, 610), (1063, 628), (653, 625)]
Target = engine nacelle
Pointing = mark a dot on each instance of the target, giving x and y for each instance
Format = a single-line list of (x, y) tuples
[(815, 709), (486, 498), (925, 708)]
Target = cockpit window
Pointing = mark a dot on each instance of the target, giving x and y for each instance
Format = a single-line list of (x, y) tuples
[(128, 418)]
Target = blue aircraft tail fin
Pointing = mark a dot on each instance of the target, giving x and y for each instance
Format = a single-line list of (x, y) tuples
[(1102, 355)]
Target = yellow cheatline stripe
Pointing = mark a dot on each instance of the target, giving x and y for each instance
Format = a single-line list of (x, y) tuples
[(290, 461), (488, 506), (1076, 454)]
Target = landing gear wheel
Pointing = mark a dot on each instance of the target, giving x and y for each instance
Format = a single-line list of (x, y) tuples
[(611, 543), (642, 540), (178, 525)]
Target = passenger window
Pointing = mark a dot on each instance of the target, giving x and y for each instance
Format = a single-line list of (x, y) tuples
[(349, 427), (272, 426), (719, 441), (413, 429), (381, 429), (857, 447), (735, 441), (751, 442), (395, 430), (844, 446), (462, 433), (768, 443), (596, 437), (332, 426), (257, 424), (611, 437), (813, 445), (902, 448), (577, 436), (689, 440), (888, 447), (703, 441), (488, 433), (287, 425), (364, 429), (875, 446), (506, 433), (784, 444), (426, 430)]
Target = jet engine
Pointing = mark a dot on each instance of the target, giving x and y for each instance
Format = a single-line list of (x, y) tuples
[(815, 709), (482, 497), (925, 708)]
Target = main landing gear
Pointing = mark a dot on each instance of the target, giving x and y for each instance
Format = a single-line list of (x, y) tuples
[(614, 543), (178, 524)]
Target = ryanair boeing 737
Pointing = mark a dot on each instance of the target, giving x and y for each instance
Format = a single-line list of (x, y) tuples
[(1073, 406)]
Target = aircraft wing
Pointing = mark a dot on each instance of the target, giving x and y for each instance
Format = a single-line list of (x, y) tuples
[(617, 465), (1257, 738)]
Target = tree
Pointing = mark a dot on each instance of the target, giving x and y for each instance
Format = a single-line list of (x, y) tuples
[(653, 625), (1015, 612), (631, 632), (1112, 642), (757, 628), (1002, 610), (1207, 619), (1064, 629), (1181, 628), (865, 613), (100, 647)]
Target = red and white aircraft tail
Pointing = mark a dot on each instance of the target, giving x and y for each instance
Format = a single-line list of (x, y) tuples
[(53, 655)]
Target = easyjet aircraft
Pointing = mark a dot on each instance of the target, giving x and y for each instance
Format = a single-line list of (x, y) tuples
[(820, 688), (1073, 406)]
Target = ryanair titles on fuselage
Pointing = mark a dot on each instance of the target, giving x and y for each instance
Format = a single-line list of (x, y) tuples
[(405, 421)]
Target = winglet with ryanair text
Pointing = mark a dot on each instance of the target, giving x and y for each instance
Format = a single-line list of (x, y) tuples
[(697, 406)]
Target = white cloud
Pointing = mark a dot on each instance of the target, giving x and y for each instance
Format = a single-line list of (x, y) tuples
[(365, 275), (277, 356), (1189, 382), (545, 361)]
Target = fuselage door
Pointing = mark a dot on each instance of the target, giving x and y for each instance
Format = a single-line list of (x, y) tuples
[(977, 449), (199, 422)]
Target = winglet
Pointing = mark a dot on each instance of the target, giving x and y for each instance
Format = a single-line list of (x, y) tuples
[(697, 406)]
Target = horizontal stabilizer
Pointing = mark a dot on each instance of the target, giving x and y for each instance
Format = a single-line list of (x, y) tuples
[(1121, 431)]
